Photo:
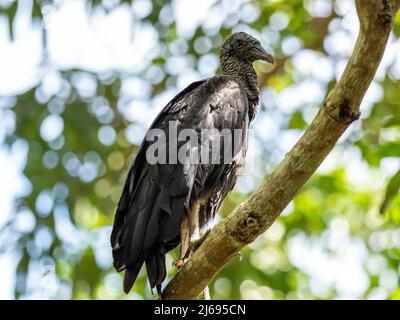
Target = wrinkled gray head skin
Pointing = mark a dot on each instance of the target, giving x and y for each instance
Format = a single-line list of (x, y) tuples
[(236, 56), (244, 47)]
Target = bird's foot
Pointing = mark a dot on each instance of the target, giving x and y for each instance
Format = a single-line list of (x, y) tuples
[(194, 245), (180, 262)]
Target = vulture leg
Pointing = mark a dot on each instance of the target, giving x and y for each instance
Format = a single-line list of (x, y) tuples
[(185, 242), (190, 233), (195, 239), (191, 240), (194, 223)]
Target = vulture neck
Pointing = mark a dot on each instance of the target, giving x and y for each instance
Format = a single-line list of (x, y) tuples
[(244, 72)]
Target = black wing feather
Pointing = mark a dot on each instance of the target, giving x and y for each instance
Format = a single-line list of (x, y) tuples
[(155, 197)]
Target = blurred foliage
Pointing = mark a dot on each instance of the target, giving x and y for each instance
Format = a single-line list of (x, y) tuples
[(76, 174)]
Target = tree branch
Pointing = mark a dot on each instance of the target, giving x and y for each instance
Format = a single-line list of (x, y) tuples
[(260, 210)]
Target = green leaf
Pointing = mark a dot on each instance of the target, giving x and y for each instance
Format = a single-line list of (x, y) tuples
[(297, 121), (392, 190)]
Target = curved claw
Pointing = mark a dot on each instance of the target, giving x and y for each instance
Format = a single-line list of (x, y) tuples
[(193, 246), (180, 262)]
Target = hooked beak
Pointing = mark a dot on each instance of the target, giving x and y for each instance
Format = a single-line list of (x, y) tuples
[(261, 54)]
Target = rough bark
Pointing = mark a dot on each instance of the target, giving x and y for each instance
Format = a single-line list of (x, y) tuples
[(259, 211)]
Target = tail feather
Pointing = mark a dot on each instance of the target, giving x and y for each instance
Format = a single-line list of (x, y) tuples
[(131, 274), (159, 290), (155, 265), (152, 270), (156, 269)]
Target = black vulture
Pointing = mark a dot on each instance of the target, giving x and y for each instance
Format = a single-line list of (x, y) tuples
[(164, 204)]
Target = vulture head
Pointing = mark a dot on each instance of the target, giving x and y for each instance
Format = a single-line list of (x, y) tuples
[(245, 48)]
